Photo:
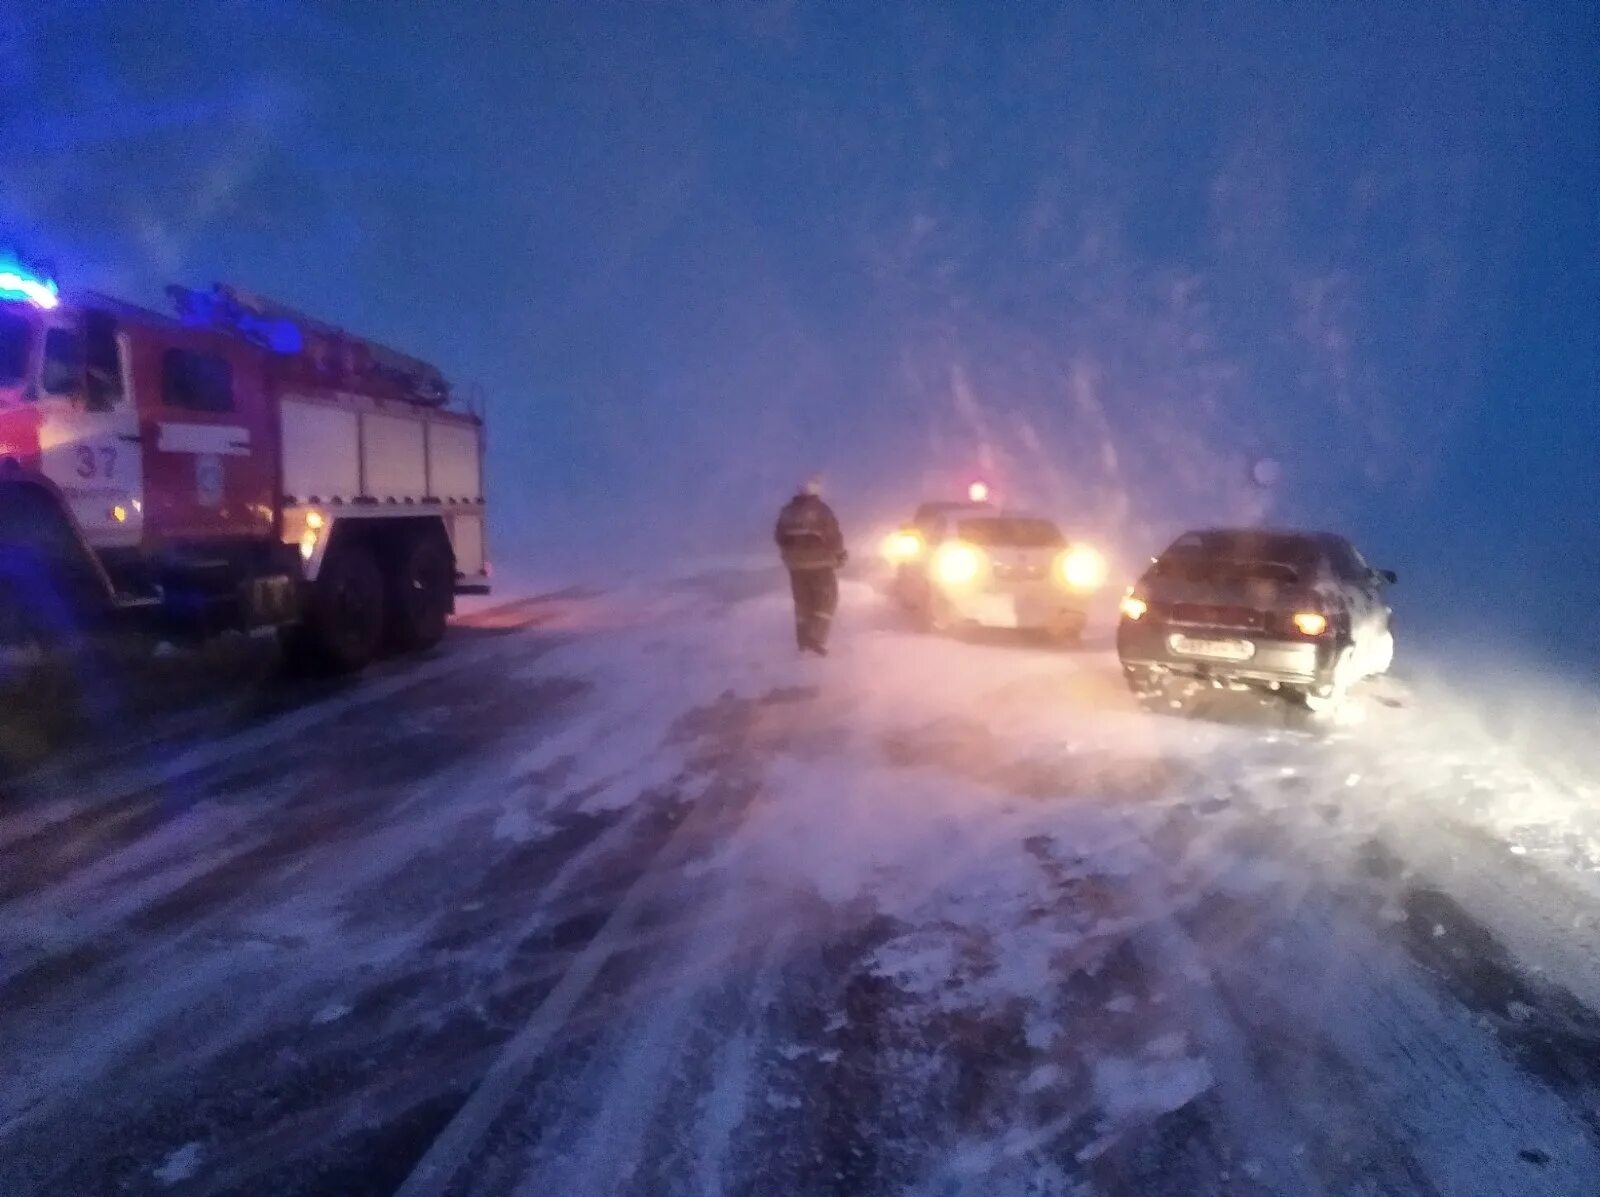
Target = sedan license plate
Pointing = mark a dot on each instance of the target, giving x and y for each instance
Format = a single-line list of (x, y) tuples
[(1212, 650), (996, 611)]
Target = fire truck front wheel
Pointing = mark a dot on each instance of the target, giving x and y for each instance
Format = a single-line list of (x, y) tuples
[(49, 666), (344, 623)]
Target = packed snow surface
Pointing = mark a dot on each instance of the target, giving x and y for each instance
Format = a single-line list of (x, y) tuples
[(620, 895)]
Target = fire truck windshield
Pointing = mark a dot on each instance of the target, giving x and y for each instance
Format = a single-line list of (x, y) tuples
[(63, 362), (15, 333)]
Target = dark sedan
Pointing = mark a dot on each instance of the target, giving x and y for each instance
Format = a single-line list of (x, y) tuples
[(1298, 613)]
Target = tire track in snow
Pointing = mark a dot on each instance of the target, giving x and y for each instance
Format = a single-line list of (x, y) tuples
[(46, 801), (1399, 892), (1261, 1014), (635, 1076), (712, 813), (409, 1070), (302, 858), (512, 1067), (1330, 1015), (293, 820), (541, 925), (615, 846), (726, 1105)]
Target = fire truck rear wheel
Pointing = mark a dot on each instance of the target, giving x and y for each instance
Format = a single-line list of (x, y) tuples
[(420, 586), (344, 626)]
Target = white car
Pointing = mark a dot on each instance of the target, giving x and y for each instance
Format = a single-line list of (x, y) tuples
[(970, 564)]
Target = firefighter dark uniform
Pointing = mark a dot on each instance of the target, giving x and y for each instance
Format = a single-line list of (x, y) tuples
[(808, 536)]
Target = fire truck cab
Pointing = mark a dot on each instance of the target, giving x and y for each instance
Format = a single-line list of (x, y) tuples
[(236, 466)]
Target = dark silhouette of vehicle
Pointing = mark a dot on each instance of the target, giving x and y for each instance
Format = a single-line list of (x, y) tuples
[(1297, 613)]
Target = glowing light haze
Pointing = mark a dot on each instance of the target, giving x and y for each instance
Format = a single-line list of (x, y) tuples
[(1110, 260)]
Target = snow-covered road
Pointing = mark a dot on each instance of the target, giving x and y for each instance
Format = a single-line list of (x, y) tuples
[(614, 895)]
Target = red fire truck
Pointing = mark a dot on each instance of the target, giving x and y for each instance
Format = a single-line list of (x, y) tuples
[(236, 466)]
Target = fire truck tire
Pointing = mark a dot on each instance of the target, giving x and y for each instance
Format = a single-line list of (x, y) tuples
[(420, 586), (44, 667), (344, 623)]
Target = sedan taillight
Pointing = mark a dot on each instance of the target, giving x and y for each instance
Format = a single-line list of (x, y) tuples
[(1309, 623)]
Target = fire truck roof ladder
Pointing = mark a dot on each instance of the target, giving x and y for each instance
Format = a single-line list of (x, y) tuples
[(285, 331)]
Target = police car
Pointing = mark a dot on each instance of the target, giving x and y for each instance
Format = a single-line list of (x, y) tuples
[(1297, 613), (973, 564)]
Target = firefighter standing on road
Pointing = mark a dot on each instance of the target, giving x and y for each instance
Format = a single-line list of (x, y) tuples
[(808, 536)]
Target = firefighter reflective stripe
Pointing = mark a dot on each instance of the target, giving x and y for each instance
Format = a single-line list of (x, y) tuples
[(808, 535), (228, 440), (803, 521)]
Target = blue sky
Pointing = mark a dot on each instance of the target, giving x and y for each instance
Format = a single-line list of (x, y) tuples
[(692, 252)]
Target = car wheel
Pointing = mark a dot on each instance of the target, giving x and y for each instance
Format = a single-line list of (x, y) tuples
[(1148, 690), (915, 615), (1382, 654), (1322, 704), (932, 615), (1329, 704)]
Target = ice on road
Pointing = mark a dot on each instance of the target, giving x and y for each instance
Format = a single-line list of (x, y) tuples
[(615, 895)]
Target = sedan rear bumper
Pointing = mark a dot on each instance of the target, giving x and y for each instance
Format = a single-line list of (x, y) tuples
[(1022, 605), (1163, 649), (1018, 606)]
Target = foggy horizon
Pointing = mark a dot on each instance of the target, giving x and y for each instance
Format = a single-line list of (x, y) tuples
[(691, 257)]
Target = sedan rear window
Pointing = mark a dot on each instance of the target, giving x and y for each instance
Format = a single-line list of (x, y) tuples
[(1011, 533), (15, 334), (1300, 552), (1235, 556)]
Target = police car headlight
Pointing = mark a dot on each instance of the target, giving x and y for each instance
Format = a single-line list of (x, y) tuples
[(957, 564), (902, 546), (1081, 568)]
